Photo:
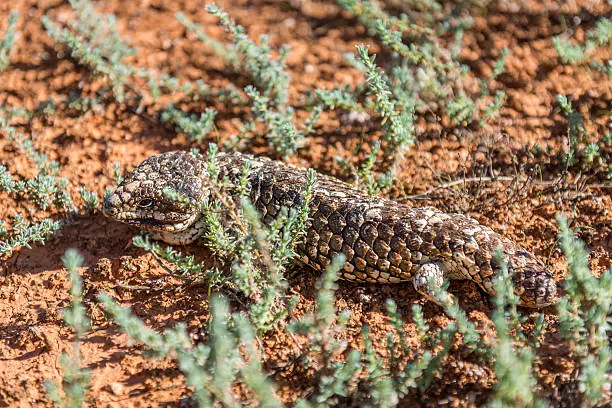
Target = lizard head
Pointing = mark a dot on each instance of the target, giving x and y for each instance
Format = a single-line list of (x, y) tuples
[(533, 282), (163, 195)]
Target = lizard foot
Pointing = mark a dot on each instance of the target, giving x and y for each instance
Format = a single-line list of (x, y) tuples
[(429, 281)]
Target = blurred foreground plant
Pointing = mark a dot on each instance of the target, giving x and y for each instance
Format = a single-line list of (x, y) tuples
[(8, 41), (71, 391), (584, 318)]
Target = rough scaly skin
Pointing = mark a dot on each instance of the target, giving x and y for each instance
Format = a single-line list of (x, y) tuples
[(384, 241)]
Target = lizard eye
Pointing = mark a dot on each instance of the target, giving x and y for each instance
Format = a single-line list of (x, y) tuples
[(146, 203)]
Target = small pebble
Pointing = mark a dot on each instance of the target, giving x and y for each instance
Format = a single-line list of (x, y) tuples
[(116, 388)]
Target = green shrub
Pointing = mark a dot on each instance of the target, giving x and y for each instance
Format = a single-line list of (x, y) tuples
[(424, 73), (94, 42), (584, 317), (398, 127), (71, 391), (513, 365), (267, 72), (195, 129), (576, 53), (589, 152), (8, 41), (44, 191)]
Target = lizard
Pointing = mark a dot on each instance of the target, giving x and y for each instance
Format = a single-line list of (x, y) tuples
[(383, 241)]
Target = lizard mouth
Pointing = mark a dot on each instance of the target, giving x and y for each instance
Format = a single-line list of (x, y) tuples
[(155, 221)]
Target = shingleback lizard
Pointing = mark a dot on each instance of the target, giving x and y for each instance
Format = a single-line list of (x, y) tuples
[(384, 241)]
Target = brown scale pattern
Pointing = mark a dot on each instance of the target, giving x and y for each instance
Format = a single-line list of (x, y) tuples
[(385, 241)]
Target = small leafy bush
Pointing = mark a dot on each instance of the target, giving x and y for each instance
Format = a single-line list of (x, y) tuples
[(44, 191), (71, 391), (8, 41), (594, 153), (94, 42), (269, 94), (267, 72), (577, 53), (584, 318), (398, 127), (425, 73)]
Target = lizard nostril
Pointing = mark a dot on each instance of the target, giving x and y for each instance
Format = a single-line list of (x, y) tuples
[(111, 205)]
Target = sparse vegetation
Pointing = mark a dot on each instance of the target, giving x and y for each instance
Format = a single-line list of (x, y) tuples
[(426, 73), (7, 42), (398, 128), (71, 391), (194, 129), (214, 368), (241, 322), (584, 150), (267, 72), (600, 36), (45, 190), (584, 318)]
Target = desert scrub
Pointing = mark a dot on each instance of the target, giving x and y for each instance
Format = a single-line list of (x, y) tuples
[(231, 356), (268, 96), (427, 74), (47, 190), (71, 391), (224, 50), (185, 265), (365, 377), (320, 329), (267, 72), (281, 133), (94, 42), (423, 76), (367, 178), (398, 127), (210, 369), (8, 41), (338, 98), (584, 318), (585, 151), (513, 365), (195, 129), (73, 105), (24, 233), (571, 53), (397, 122)]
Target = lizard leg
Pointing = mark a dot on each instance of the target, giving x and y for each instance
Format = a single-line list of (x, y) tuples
[(429, 280)]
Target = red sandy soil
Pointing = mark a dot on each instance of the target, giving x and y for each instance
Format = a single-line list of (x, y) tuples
[(34, 285)]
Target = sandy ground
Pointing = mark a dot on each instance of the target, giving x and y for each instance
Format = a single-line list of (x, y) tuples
[(34, 286)]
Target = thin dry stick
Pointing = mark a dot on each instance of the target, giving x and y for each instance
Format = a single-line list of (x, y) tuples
[(423, 196)]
